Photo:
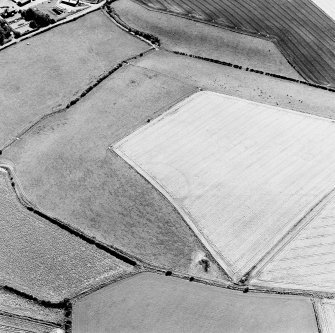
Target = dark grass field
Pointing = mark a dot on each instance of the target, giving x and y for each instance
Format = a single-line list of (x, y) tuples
[(66, 168), (40, 259), (303, 33)]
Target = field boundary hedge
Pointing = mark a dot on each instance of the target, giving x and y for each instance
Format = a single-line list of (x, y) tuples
[(145, 36), (76, 99), (247, 69), (276, 40)]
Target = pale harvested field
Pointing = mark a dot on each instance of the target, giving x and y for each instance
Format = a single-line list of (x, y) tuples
[(307, 260), (184, 35), (65, 167), (39, 78), (328, 6), (326, 315), (241, 173), (154, 303), (251, 86), (40, 259)]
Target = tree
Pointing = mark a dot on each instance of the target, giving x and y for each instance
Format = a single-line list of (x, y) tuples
[(33, 25)]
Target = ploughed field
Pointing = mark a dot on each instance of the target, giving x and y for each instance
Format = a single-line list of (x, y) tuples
[(154, 303), (303, 33), (241, 173), (328, 6), (198, 38)]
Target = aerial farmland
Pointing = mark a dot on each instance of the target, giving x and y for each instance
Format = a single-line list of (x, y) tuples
[(167, 166)]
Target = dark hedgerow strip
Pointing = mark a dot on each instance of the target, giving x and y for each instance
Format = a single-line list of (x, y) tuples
[(254, 71), (154, 40), (75, 100), (301, 31), (104, 247)]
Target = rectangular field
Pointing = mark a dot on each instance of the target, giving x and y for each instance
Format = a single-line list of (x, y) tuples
[(241, 173), (154, 303)]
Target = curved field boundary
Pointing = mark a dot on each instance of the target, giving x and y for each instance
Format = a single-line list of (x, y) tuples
[(21, 196), (76, 99), (144, 36), (302, 32)]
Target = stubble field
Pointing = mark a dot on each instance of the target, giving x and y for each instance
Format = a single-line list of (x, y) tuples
[(306, 259), (241, 173)]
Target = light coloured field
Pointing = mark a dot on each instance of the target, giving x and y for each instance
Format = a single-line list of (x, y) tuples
[(40, 259), (326, 315), (328, 6), (184, 35), (56, 66), (241, 173), (65, 167), (307, 261), (155, 303)]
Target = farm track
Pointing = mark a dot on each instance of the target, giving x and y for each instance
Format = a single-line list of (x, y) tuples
[(303, 33)]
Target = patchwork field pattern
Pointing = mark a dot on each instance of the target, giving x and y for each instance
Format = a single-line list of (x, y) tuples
[(65, 168), (56, 67), (153, 303), (183, 35), (40, 259), (304, 34), (325, 310), (307, 261), (241, 173)]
